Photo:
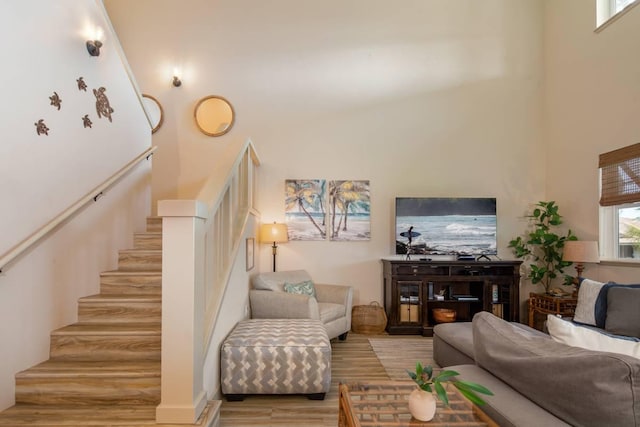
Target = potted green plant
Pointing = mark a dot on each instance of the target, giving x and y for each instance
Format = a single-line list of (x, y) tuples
[(543, 245), (422, 403)]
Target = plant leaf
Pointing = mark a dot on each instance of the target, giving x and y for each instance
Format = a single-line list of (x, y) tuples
[(473, 398), (465, 385), (442, 393), (429, 370), (446, 375)]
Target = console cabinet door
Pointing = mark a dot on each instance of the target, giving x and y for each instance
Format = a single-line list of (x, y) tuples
[(410, 301)]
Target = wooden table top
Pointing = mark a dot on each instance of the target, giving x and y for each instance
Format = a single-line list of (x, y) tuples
[(385, 403)]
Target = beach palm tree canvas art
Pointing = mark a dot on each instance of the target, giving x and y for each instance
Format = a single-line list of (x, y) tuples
[(305, 211), (349, 210)]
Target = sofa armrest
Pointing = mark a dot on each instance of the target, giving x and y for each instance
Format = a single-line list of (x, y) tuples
[(336, 294), (282, 305)]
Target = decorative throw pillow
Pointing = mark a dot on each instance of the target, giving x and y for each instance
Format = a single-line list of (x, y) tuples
[(567, 333), (587, 299), (303, 288), (600, 306), (274, 281), (623, 313)]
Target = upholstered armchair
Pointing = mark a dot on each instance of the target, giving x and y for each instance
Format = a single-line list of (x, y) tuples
[(331, 305)]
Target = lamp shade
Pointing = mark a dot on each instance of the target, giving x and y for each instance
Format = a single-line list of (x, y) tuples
[(274, 233), (580, 251)]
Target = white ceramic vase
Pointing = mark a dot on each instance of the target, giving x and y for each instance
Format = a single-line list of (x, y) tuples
[(422, 405)]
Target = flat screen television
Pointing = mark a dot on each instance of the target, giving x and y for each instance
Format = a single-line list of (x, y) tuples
[(446, 225)]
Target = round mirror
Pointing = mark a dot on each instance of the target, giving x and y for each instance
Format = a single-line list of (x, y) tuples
[(154, 111), (214, 115)]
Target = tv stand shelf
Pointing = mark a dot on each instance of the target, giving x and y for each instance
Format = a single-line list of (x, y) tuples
[(410, 289)]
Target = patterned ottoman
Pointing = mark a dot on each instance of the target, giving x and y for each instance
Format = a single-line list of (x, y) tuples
[(276, 356)]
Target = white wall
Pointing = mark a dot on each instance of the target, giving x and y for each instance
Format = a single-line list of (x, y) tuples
[(434, 98), (43, 47), (592, 101), (43, 175)]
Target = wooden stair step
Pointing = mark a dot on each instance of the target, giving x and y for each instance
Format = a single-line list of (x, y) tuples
[(107, 341), (120, 309), (122, 415), (105, 370), (62, 382), (93, 415), (131, 282), (154, 223), (140, 260), (148, 240)]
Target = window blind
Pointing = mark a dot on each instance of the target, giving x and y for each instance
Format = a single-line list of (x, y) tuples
[(620, 175)]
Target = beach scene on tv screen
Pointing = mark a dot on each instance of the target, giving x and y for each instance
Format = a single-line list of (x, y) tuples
[(440, 226)]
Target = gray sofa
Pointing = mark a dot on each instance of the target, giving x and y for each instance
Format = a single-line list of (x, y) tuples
[(331, 304), (537, 381)]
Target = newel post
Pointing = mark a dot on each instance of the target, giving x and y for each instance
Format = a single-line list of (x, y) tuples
[(183, 245)]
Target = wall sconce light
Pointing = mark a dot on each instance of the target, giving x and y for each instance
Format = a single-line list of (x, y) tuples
[(276, 233), (93, 46), (176, 81)]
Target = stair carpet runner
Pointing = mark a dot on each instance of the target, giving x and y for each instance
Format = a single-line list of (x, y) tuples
[(104, 369)]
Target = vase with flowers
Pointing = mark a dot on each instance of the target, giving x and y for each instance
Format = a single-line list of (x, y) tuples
[(422, 402)]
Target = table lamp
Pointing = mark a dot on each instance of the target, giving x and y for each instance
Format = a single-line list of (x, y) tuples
[(276, 233), (580, 251)]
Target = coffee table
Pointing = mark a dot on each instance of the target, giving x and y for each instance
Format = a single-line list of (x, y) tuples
[(385, 403)]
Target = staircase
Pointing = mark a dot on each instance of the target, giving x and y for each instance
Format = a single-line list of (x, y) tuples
[(104, 369)]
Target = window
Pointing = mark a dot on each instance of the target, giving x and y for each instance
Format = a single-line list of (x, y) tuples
[(607, 10), (617, 5), (620, 204)]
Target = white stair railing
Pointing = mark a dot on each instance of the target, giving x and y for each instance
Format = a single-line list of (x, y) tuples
[(93, 195), (200, 240)]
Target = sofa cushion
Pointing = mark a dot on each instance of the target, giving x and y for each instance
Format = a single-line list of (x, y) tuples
[(506, 407), (578, 336), (302, 288), (330, 311), (623, 315), (458, 335), (587, 300), (274, 281), (453, 342), (549, 373)]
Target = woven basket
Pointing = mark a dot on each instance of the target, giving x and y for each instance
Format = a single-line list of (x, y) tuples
[(368, 319)]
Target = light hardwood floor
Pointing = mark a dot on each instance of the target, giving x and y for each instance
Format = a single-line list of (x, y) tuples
[(353, 360)]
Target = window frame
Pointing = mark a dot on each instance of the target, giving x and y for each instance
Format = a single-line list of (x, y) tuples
[(609, 232), (609, 236), (607, 13), (613, 8)]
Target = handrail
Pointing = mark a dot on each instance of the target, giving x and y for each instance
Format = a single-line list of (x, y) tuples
[(93, 195)]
